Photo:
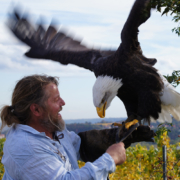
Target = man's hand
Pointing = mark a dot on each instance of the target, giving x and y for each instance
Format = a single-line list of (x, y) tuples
[(117, 152)]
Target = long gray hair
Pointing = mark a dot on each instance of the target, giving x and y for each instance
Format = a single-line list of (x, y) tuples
[(28, 90)]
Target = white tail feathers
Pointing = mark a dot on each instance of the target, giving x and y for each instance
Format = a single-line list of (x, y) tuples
[(170, 103), (170, 96), (165, 116)]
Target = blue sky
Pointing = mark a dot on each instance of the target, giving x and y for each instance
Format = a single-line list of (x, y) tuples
[(98, 23)]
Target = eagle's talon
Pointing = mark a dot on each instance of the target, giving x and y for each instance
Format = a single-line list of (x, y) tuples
[(129, 124), (116, 124)]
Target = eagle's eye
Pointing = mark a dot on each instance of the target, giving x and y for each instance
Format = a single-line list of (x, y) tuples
[(102, 101)]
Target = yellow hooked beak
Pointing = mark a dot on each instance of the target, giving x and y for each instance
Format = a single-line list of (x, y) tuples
[(178, 80), (101, 110)]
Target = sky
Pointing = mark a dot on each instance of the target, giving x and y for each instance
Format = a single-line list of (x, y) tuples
[(98, 23)]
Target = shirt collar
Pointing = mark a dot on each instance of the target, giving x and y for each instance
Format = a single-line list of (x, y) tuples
[(34, 131), (29, 129)]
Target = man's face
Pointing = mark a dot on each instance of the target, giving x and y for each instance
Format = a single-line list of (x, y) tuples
[(52, 118)]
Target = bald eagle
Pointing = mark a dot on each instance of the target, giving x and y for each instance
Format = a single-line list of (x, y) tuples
[(125, 73)]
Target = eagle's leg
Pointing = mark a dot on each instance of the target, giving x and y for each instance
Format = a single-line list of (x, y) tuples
[(131, 124), (128, 123), (116, 124), (132, 120)]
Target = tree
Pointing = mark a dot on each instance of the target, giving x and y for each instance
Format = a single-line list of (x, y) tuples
[(174, 79), (169, 6)]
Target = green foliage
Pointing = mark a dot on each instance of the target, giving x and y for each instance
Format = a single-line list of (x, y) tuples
[(163, 127), (169, 6), (1, 154), (174, 78)]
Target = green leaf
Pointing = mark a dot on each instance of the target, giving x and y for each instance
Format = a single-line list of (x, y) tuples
[(165, 11)]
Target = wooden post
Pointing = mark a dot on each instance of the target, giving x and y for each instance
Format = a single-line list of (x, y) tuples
[(164, 162)]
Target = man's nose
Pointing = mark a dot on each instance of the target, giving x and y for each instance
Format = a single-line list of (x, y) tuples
[(62, 102)]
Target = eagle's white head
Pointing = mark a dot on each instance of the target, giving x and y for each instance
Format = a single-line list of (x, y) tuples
[(104, 90)]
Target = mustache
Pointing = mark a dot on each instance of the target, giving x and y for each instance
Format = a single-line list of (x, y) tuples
[(60, 109)]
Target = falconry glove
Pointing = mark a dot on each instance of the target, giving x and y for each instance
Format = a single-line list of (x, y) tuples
[(94, 143)]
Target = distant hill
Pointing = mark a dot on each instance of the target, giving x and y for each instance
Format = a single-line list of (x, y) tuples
[(94, 121)]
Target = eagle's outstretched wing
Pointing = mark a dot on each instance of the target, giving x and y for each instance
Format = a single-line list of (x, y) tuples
[(54, 45), (129, 33)]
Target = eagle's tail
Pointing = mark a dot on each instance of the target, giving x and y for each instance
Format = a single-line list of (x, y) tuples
[(170, 99)]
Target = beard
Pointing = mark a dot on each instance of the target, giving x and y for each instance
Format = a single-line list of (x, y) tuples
[(52, 124)]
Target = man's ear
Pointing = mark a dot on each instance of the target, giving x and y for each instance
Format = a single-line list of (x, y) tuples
[(36, 110)]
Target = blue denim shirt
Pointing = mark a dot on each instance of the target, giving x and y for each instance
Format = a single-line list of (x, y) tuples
[(31, 155)]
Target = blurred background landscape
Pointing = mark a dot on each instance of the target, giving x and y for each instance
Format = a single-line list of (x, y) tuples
[(80, 125)]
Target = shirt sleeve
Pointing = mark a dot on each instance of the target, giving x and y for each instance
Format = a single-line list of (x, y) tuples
[(76, 141), (48, 167)]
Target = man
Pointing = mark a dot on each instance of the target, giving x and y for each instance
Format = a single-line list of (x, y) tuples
[(38, 145)]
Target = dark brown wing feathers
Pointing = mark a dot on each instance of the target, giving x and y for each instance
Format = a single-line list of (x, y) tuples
[(141, 82), (129, 34), (53, 44)]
